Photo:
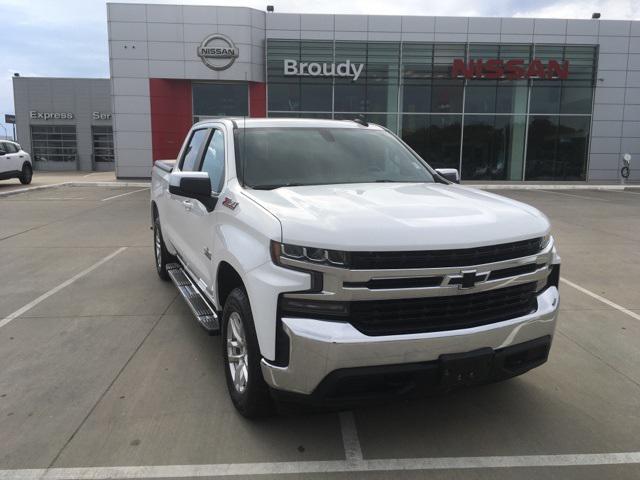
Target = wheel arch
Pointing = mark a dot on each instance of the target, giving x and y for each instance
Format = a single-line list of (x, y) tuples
[(227, 279)]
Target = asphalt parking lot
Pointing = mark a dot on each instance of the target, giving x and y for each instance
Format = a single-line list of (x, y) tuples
[(102, 365)]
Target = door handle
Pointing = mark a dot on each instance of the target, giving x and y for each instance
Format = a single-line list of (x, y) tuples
[(188, 205)]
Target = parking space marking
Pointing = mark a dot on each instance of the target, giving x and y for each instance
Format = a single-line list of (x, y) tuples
[(350, 440), (601, 299), (123, 194), (327, 466), (55, 290), (576, 196)]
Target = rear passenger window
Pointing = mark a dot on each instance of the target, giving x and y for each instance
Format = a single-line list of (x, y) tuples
[(190, 157), (213, 162)]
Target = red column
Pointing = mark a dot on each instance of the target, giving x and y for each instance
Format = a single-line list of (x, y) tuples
[(257, 99), (171, 116)]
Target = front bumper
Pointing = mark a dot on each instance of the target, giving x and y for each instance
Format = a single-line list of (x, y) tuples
[(318, 347)]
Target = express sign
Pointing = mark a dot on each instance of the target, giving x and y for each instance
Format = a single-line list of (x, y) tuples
[(510, 69)]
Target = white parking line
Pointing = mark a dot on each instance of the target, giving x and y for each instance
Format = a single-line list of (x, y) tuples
[(601, 299), (350, 440), (576, 196), (329, 466), (55, 290), (123, 194)]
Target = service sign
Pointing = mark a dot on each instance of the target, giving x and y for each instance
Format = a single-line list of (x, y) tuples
[(514, 69), (100, 116), (9, 118)]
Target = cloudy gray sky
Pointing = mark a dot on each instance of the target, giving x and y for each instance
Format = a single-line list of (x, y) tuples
[(68, 38)]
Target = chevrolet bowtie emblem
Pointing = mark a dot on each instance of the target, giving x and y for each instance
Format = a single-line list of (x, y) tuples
[(468, 278)]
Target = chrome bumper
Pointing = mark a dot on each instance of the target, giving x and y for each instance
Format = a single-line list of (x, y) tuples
[(318, 347)]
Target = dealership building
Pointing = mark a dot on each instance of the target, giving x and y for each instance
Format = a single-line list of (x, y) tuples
[(501, 99)]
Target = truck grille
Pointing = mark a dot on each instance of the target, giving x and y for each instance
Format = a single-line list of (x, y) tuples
[(432, 314), (443, 258)]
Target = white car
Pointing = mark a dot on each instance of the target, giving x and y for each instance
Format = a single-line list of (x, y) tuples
[(15, 162), (336, 264)]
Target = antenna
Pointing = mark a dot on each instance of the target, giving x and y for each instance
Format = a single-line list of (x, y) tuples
[(360, 121)]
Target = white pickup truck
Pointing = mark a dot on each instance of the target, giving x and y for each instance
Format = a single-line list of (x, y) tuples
[(336, 264)]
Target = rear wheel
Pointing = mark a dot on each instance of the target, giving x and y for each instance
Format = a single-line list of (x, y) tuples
[(26, 175), (161, 254), (241, 354)]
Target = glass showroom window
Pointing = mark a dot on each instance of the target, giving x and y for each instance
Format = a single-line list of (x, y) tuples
[(54, 143), (436, 138), (493, 147), (494, 121), (558, 137), (220, 99), (557, 147), (376, 90), (312, 95)]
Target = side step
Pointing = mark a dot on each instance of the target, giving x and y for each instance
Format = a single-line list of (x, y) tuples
[(198, 305)]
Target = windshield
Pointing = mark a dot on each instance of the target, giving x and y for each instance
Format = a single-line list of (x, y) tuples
[(276, 157)]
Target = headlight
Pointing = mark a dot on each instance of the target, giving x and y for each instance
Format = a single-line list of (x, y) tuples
[(544, 241), (313, 255)]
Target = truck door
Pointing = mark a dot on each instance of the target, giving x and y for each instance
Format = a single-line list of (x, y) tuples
[(179, 207), (199, 223)]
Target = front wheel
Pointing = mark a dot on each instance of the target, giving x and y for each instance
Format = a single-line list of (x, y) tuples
[(241, 355), (26, 175)]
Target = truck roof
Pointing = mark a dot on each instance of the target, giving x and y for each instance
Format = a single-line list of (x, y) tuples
[(244, 122)]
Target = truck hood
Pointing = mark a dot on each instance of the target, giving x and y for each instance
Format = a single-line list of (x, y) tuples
[(398, 216)]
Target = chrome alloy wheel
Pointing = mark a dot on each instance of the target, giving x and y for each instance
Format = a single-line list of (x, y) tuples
[(237, 357), (158, 247)]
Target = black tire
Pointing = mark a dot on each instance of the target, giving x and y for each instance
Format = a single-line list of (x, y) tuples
[(160, 252), (254, 400), (26, 175)]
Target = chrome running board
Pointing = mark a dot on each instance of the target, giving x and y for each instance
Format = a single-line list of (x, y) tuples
[(201, 309)]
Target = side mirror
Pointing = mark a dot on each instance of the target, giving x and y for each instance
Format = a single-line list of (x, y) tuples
[(2, 152), (450, 174), (196, 185)]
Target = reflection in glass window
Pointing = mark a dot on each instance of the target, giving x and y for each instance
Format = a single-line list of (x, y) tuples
[(220, 99), (376, 90), (557, 147), (190, 155), (493, 147), (436, 138), (213, 162)]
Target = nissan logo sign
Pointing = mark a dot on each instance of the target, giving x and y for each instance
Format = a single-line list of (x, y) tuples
[(217, 51)]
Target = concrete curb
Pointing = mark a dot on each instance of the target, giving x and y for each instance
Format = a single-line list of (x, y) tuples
[(76, 184)]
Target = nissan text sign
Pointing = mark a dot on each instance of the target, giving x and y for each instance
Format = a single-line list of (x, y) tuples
[(514, 69)]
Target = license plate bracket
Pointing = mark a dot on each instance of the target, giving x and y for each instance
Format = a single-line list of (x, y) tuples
[(468, 368)]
